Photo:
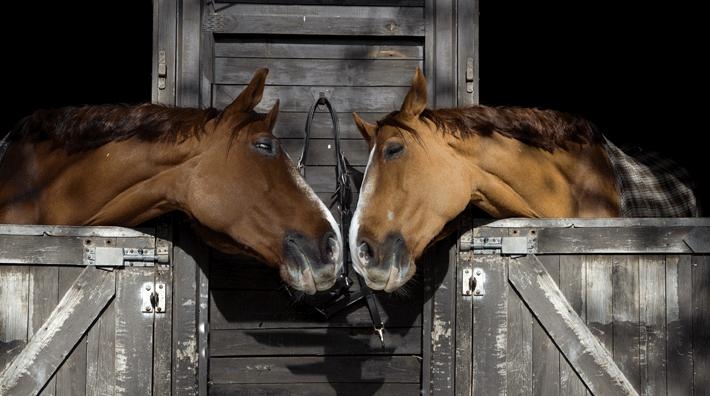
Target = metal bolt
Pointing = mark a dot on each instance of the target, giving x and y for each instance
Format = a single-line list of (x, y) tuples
[(160, 286), (147, 287), (148, 309), (157, 309), (477, 292), (478, 272)]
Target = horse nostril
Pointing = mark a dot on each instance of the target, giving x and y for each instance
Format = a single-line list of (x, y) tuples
[(332, 249), (364, 252)]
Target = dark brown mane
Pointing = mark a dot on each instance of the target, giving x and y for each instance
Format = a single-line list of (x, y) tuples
[(88, 127), (545, 129)]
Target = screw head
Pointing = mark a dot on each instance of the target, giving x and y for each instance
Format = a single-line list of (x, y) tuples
[(149, 309), (157, 309), (478, 272), (478, 292), (160, 286), (147, 287)]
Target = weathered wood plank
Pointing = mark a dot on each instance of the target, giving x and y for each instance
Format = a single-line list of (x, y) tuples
[(35, 250), (442, 259), (320, 48), (490, 327), (572, 285), (329, 389), (285, 72), (292, 125), (343, 99), (66, 325), (164, 36), (571, 223), (134, 333), (322, 151), (679, 333), (625, 273), (608, 240), (599, 298), (187, 90), (701, 324), (104, 359), (381, 3), (331, 20), (314, 369), (71, 376), (519, 346), (44, 289), (589, 358), (546, 357), (463, 380), (162, 325), (467, 25), (14, 300), (334, 340), (652, 294), (273, 310)]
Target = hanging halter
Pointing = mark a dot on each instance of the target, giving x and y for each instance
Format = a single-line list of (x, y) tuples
[(340, 296)]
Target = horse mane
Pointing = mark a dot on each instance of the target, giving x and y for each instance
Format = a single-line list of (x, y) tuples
[(545, 129), (89, 127)]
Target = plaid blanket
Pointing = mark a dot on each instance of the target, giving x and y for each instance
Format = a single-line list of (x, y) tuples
[(651, 186)]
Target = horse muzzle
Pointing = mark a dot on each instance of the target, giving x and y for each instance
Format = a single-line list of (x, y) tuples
[(311, 265), (386, 266)]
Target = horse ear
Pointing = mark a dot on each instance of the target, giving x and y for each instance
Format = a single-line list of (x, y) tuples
[(415, 102), (271, 116), (366, 129), (251, 95)]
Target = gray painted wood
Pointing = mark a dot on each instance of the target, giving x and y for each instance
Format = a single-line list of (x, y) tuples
[(66, 326), (273, 310), (14, 300), (626, 317), (679, 330), (693, 222), (207, 60), (164, 35), (701, 324), (203, 327), (134, 333), (314, 341), (187, 252), (584, 352), (332, 20), (162, 325), (71, 376), (320, 389), (546, 357), (70, 231), (43, 298), (467, 47), (519, 346), (103, 358), (188, 61), (314, 369), (24, 249), (607, 240), (337, 72), (652, 294), (444, 73), (490, 327), (599, 298), (322, 151), (292, 125), (344, 99), (318, 48), (442, 259), (573, 278), (381, 3), (463, 379)]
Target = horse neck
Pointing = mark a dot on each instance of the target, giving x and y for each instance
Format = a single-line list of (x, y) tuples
[(120, 183), (512, 179)]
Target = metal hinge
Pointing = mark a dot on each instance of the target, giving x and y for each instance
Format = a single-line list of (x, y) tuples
[(125, 257), (473, 281), (469, 75), (500, 245), (153, 298)]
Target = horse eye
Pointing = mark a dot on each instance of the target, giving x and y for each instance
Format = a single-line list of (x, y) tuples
[(393, 151), (265, 146)]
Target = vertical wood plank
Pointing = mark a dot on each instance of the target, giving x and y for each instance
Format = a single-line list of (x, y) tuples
[(679, 344), (203, 324), (572, 284), (134, 333), (546, 356), (467, 47), (626, 317), (207, 68), (44, 288), (490, 327), (164, 36), (701, 324), (444, 76), (14, 300), (652, 294), (104, 356), (464, 322), (188, 72), (162, 326), (519, 346), (71, 377), (442, 257), (599, 299)]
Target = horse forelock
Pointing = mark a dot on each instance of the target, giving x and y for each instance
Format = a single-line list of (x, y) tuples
[(88, 127), (545, 129)]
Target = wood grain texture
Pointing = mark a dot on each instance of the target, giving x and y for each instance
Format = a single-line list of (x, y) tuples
[(546, 357), (442, 259), (320, 389), (701, 324), (36, 250), (573, 278), (14, 300), (318, 48), (679, 325), (621, 240), (626, 317), (652, 315), (519, 346), (71, 376), (292, 125), (599, 298)]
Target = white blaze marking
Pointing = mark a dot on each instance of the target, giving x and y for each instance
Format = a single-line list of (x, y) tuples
[(366, 190), (390, 215)]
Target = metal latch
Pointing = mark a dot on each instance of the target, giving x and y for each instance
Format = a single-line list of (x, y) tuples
[(469, 75), (153, 298), (473, 281), (162, 70), (120, 257), (500, 245)]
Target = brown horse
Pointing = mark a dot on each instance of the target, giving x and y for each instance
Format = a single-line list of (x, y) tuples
[(121, 165), (426, 166)]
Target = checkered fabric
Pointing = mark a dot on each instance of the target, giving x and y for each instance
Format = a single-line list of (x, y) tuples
[(651, 186)]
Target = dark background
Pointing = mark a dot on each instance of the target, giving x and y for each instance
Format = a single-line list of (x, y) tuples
[(636, 70)]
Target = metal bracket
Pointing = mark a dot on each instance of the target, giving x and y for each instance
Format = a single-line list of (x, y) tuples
[(473, 281), (153, 298), (162, 70), (469, 75), (121, 257), (500, 245)]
